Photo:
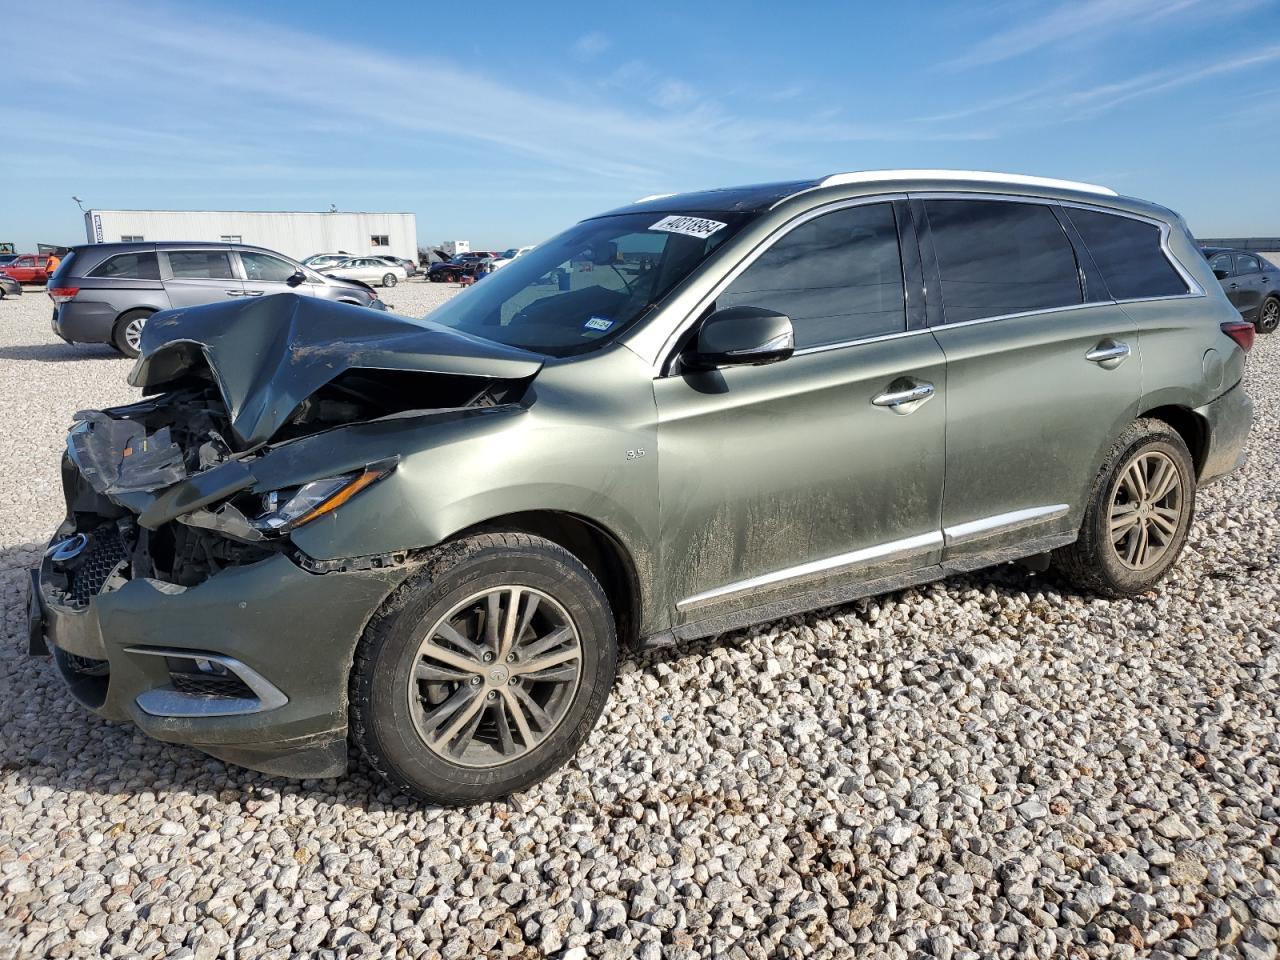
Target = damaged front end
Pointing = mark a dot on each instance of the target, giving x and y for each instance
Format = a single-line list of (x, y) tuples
[(172, 594)]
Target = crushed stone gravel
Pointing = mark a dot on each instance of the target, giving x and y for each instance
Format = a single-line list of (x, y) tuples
[(986, 767)]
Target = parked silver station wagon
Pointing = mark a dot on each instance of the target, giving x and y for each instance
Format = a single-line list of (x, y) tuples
[(430, 539)]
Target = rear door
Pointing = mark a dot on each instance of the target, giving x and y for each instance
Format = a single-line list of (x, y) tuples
[(193, 276), (265, 275), (1043, 371), (801, 476), (1249, 278)]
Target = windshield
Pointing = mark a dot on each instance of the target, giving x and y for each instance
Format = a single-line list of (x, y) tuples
[(588, 284), (508, 254)]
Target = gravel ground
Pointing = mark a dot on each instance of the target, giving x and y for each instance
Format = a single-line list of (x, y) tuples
[(986, 767)]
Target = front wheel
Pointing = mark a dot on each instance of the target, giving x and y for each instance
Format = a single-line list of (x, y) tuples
[(1138, 516), (484, 672), (1269, 315)]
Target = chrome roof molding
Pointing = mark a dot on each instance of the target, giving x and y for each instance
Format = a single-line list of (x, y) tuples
[(984, 176)]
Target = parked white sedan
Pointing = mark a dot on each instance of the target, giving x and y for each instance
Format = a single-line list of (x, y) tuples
[(370, 270)]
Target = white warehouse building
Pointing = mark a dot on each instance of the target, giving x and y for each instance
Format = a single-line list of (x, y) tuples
[(295, 234)]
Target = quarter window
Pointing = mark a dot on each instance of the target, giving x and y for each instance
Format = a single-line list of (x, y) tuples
[(997, 257), (838, 277), (128, 266), (200, 265), (259, 266), (1129, 254)]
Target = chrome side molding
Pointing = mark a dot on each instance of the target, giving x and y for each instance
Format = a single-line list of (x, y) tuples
[(1003, 523)]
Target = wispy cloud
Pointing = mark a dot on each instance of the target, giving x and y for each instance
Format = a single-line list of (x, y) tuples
[(591, 45), (1093, 20)]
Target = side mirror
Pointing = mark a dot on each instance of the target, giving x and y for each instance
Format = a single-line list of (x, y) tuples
[(298, 278), (1222, 274), (738, 336)]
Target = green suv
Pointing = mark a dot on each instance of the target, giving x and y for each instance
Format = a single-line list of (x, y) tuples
[(328, 526)]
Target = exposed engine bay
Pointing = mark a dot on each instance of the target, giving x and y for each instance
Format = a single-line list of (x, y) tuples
[(174, 487)]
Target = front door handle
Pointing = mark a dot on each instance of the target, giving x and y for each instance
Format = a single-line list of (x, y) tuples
[(1109, 354), (905, 395)]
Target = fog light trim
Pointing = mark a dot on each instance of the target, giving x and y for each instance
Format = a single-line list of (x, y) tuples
[(167, 701)]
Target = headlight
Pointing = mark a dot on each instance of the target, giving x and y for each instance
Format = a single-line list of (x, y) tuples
[(291, 508)]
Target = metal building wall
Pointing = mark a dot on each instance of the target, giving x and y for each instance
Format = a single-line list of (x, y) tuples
[(295, 234)]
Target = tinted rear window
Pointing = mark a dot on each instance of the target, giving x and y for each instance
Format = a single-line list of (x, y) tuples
[(1129, 254), (200, 265), (998, 257), (128, 266)]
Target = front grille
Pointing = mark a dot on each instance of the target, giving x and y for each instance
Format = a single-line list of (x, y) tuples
[(105, 552), (211, 685)]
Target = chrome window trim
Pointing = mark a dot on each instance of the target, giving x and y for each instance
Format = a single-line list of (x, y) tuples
[(664, 355), (823, 348), (892, 550), (1002, 523)]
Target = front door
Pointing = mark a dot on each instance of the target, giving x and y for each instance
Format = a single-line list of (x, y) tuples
[(803, 476), (1039, 381), (200, 276)]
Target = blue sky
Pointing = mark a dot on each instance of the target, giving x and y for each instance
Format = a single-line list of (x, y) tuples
[(502, 124)]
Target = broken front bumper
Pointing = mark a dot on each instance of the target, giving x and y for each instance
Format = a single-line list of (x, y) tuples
[(271, 645)]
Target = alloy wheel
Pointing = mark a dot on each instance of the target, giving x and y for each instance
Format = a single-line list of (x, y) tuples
[(133, 333), (494, 676), (1146, 510), (1270, 316)]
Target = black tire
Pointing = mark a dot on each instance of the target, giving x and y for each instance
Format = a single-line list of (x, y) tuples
[(1268, 315), (382, 721), (121, 334), (389, 280), (1093, 563)]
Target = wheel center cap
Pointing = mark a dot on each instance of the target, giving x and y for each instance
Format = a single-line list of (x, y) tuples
[(498, 676)]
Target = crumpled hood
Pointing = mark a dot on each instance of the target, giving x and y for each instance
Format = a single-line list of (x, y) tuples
[(269, 355)]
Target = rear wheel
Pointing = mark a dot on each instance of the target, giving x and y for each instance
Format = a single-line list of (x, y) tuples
[(389, 280), (484, 673), (1139, 513), (127, 334), (1269, 315)]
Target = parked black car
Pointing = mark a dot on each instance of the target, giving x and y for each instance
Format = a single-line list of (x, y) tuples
[(9, 287), (453, 270), (1251, 282), (104, 292)]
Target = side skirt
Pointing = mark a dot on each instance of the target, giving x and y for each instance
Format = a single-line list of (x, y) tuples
[(838, 592)]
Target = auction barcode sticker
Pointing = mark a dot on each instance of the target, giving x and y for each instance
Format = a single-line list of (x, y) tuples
[(689, 226)]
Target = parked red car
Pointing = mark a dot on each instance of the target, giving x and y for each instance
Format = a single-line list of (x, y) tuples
[(27, 268)]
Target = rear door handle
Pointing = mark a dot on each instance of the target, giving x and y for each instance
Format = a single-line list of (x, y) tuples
[(254, 293), (904, 395), (235, 293), (1109, 353)]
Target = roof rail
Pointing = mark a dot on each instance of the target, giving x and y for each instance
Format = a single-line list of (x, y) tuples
[(873, 176)]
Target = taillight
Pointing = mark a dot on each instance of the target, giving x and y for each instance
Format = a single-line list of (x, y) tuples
[(1242, 332), (63, 294)]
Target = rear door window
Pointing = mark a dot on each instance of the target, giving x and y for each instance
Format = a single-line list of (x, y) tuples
[(1222, 264), (200, 265), (838, 277), (1129, 254), (1246, 264), (128, 266), (1000, 257)]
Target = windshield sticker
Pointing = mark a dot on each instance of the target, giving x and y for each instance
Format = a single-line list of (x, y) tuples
[(598, 323), (689, 226)]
